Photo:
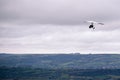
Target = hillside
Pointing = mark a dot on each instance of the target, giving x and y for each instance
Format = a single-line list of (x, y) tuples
[(80, 61)]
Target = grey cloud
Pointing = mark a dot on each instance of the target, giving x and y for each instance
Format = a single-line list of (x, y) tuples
[(65, 12), (14, 31), (57, 25)]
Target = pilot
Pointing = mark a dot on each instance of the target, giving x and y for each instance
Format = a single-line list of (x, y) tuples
[(91, 26)]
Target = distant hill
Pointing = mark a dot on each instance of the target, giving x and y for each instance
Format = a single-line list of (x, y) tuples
[(80, 61)]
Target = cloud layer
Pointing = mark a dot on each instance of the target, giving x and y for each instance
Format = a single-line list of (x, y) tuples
[(44, 26)]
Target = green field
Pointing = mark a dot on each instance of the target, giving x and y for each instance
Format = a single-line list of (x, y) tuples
[(58, 74)]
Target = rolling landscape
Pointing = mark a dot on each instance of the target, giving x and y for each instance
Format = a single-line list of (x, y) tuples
[(60, 66), (79, 61)]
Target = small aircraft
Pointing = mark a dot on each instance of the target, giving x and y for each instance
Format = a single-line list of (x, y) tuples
[(92, 24)]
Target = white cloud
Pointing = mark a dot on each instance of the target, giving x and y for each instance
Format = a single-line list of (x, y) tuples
[(58, 26), (56, 38)]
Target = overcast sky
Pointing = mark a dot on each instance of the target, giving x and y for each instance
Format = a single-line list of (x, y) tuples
[(57, 26)]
